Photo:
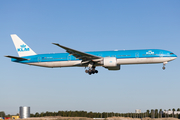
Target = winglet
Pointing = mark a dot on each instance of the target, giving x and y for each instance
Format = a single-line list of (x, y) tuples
[(55, 43)]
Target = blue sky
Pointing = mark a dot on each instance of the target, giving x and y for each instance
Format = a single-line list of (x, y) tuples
[(89, 26)]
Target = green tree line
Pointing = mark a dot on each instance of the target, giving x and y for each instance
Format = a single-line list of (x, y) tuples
[(153, 113)]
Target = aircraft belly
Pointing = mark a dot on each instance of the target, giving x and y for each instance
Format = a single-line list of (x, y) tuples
[(144, 60), (119, 61), (57, 64)]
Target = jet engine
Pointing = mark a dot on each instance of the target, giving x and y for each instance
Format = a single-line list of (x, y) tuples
[(111, 63)]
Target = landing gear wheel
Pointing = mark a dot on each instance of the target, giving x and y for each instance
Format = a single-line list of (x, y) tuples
[(164, 63), (163, 68), (86, 71), (91, 68), (96, 71)]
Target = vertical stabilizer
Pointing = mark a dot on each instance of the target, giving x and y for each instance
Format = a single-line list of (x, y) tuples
[(21, 47)]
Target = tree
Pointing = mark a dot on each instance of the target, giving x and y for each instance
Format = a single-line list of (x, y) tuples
[(173, 112), (59, 113), (168, 114), (160, 113), (2, 114), (104, 115), (31, 115), (42, 114), (147, 113), (152, 113), (37, 114), (156, 113), (90, 114)]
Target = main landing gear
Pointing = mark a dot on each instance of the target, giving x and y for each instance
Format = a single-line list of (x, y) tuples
[(91, 69), (164, 63)]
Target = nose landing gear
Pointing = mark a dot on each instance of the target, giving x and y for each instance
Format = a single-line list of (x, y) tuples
[(164, 63)]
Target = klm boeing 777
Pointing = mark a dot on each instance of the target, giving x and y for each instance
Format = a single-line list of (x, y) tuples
[(74, 58)]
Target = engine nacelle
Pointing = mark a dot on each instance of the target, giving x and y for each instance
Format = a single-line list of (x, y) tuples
[(110, 62), (114, 68)]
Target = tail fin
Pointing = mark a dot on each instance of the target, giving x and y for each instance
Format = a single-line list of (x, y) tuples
[(21, 47)]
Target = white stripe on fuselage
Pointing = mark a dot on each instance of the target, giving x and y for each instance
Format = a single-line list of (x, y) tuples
[(144, 60), (57, 63), (119, 61)]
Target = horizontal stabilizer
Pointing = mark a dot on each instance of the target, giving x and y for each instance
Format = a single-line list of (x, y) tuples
[(18, 58)]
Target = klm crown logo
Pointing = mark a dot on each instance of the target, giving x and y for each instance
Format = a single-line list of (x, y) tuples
[(23, 48), (150, 52)]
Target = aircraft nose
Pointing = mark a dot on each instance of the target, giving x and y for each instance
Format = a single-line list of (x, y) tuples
[(174, 57)]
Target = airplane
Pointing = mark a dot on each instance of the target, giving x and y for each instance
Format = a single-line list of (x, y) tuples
[(111, 60)]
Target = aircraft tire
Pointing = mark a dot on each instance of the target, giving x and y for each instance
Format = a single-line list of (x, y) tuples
[(86, 71), (163, 68)]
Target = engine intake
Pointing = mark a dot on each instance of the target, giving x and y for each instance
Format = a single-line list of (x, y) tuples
[(110, 62)]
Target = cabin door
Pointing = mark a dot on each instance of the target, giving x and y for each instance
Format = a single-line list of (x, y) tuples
[(161, 54), (69, 57), (137, 55), (39, 59)]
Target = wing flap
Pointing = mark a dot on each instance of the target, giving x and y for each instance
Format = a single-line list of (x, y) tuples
[(78, 54)]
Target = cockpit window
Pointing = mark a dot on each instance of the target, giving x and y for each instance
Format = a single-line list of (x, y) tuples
[(171, 53)]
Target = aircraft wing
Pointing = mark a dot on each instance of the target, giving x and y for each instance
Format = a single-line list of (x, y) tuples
[(18, 58), (78, 54)]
